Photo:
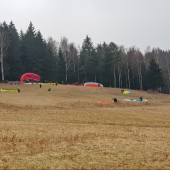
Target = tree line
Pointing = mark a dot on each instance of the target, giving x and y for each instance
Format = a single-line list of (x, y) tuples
[(63, 62)]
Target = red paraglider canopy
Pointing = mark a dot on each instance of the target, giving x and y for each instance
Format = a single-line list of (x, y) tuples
[(29, 76)]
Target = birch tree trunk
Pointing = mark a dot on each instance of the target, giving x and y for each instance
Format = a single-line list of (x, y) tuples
[(95, 79), (168, 71), (2, 64), (119, 76), (139, 73), (140, 78), (3, 47), (114, 77), (66, 71), (128, 76)]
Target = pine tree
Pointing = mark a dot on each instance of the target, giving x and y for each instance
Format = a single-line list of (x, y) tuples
[(153, 78), (39, 53), (61, 67), (13, 55), (49, 64), (85, 55), (100, 65), (28, 50), (91, 66), (110, 60)]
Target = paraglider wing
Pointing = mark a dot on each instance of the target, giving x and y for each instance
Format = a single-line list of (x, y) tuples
[(126, 92), (29, 76), (93, 84)]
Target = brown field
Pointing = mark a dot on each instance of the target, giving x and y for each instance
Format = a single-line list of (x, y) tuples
[(68, 129)]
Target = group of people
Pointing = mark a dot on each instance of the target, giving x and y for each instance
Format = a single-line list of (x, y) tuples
[(140, 99)]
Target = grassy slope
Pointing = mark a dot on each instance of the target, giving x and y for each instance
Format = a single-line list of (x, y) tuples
[(68, 128)]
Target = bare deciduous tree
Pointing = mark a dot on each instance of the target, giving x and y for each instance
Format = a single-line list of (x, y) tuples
[(128, 72), (73, 53), (139, 64), (54, 45), (65, 49)]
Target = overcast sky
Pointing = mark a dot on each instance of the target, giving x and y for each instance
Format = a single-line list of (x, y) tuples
[(139, 23)]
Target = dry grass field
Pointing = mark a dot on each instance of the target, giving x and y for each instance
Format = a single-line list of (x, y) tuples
[(67, 128)]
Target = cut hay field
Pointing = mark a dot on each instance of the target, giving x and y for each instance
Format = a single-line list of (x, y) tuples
[(67, 128)]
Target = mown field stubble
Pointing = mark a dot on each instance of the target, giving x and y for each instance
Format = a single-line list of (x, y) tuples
[(67, 128)]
